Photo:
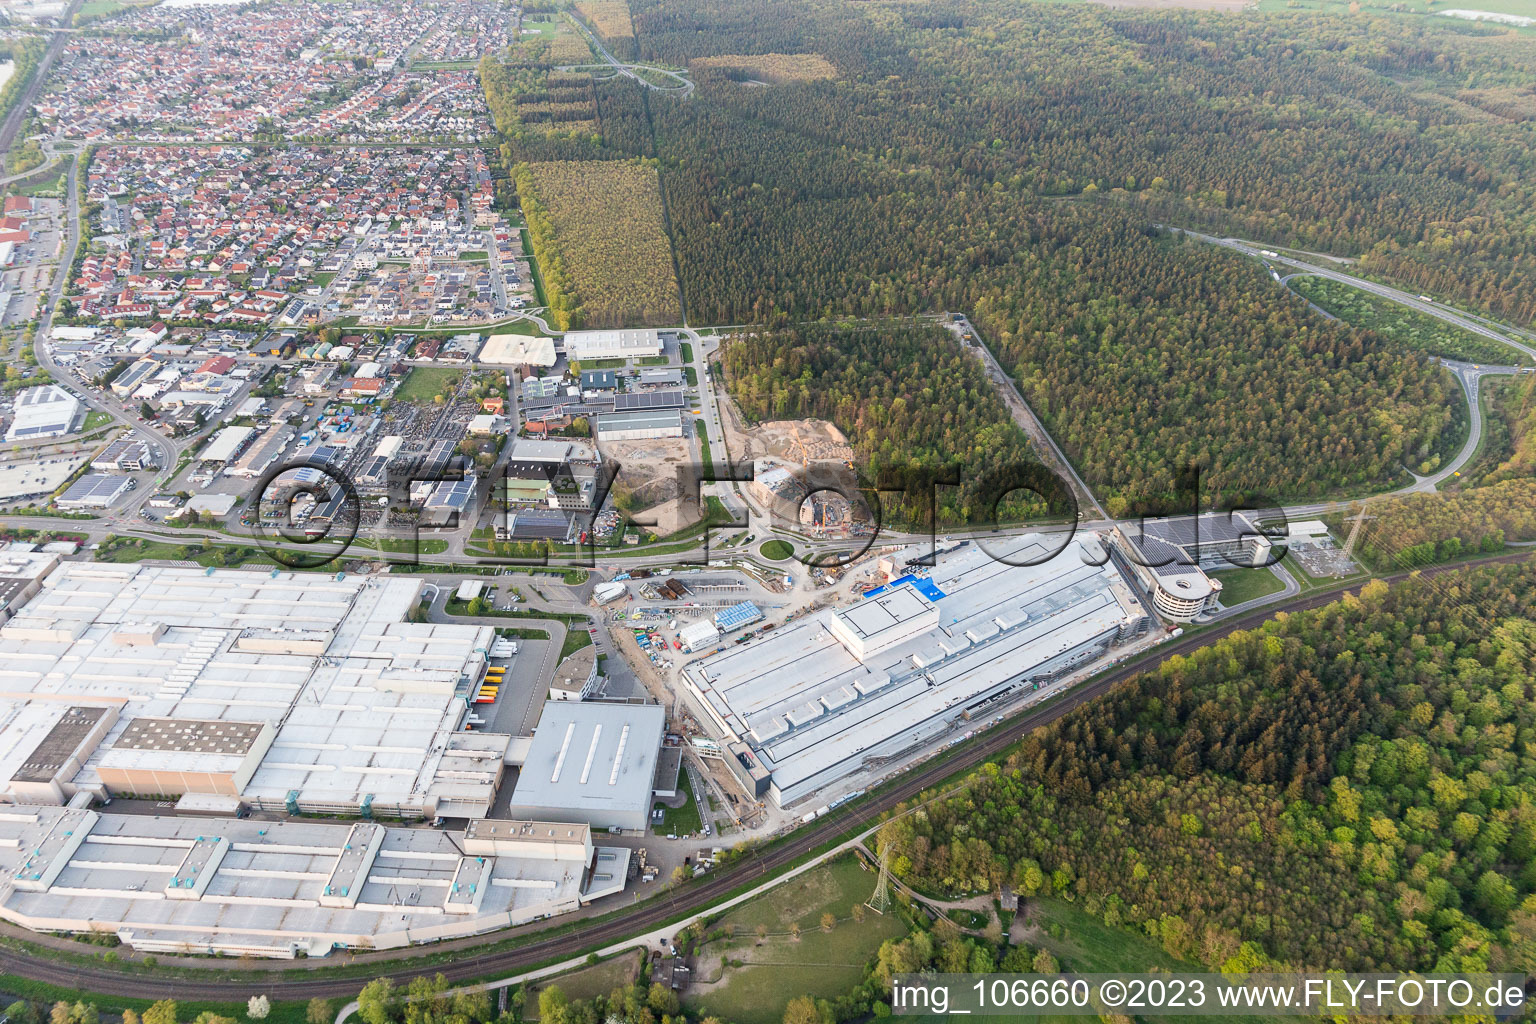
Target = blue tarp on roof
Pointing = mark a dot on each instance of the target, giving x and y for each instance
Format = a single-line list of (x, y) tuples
[(922, 584)]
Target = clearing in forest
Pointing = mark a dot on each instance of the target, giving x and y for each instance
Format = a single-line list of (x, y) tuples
[(771, 68)]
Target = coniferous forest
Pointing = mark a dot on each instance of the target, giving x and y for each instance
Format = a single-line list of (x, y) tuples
[(906, 397), (1031, 164)]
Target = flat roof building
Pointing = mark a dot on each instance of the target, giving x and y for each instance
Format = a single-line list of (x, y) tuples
[(660, 377), (226, 444), (363, 708), (841, 696), (262, 453), (94, 490), (576, 676), (21, 576), (1305, 534), (633, 401), (639, 426), (528, 449), (1170, 558), (591, 762), (743, 613), (518, 350), (168, 884), (44, 411), (696, 636), (124, 455), (537, 524), (598, 380), (636, 344), (880, 623), (161, 756)]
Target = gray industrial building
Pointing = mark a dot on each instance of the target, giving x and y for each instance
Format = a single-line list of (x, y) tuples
[(591, 762), (837, 699), (94, 490), (639, 426)]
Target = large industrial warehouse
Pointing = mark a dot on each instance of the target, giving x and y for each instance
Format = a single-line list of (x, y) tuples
[(293, 693), (592, 762), (286, 888), (828, 702), (290, 692), (632, 344)]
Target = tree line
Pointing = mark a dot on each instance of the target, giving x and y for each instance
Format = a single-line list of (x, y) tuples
[(904, 395), (1351, 788)]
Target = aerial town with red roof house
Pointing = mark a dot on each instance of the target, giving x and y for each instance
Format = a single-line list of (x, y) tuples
[(228, 72), (296, 236)]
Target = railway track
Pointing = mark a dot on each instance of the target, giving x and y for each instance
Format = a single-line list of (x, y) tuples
[(656, 912)]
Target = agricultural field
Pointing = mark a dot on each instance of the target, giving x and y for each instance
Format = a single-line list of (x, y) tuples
[(1406, 327), (601, 242), (771, 68), (1519, 8)]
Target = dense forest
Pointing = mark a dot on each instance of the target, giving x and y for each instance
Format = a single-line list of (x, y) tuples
[(1353, 787), (905, 396), (1421, 529), (1406, 139), (1403, 327), (1015, 162), (1510, 451), (600, 237)]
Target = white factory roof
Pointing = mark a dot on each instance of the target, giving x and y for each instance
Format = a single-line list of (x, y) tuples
[(28, 565), (268, 882), (1306, 528), (591, 756), (584, 344), (44, 411), (696, 635), (223, 446), (364, 703), (518, 350), (809, 707), (530, 449), (870, 620), (213, 504)]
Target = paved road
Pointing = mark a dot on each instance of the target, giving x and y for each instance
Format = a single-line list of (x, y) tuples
[(168, 449), (684, 86), (656, 913), (1477, 325), (1467, 374), (1289, 589), (548, 651), (23, 107), (53, 157)]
